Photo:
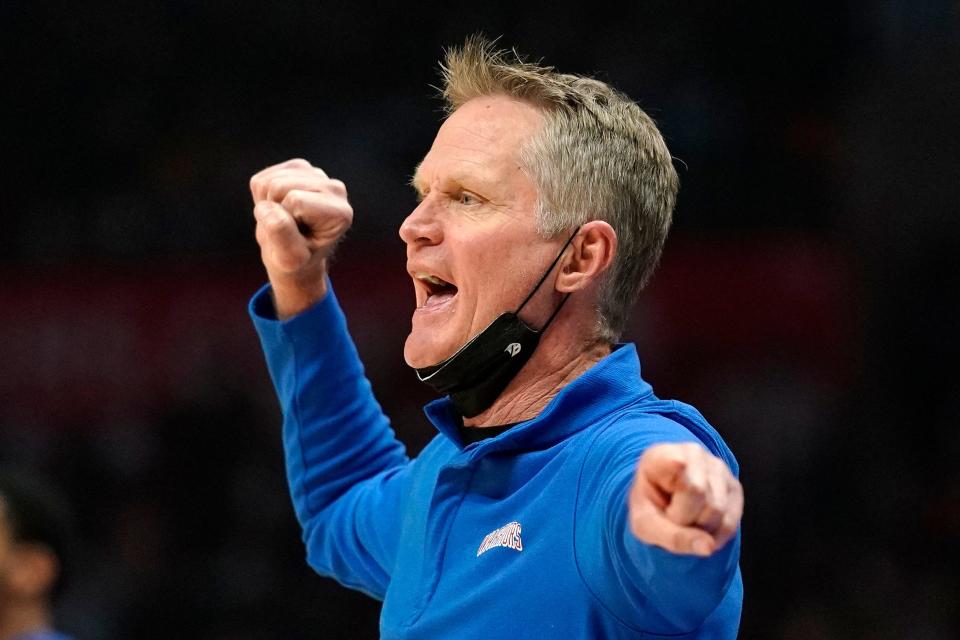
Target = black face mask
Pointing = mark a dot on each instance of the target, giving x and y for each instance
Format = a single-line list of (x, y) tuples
[(481, 369)]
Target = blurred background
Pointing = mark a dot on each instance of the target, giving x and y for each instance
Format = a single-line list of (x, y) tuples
[(807, 301)]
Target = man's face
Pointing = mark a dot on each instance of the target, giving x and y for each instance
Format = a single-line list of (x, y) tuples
[(473, 250)]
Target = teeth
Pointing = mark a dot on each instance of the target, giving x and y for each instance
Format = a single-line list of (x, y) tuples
[(426, 277)]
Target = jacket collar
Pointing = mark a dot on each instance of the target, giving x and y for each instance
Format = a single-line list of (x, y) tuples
[(608, 386)]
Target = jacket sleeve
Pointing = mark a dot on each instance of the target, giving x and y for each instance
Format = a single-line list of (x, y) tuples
[(649, 588), (346, 470)]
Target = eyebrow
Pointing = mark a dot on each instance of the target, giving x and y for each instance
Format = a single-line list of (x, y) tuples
[(461, 180), (415, 179)]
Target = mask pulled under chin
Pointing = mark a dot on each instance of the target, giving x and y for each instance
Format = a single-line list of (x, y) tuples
[(481, 369)]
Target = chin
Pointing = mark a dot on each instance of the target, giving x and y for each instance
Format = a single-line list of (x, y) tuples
[(420, 351)]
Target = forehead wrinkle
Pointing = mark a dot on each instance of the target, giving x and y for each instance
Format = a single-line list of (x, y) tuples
[(487, 131), (461, 169), (484, 152), (488, 142)]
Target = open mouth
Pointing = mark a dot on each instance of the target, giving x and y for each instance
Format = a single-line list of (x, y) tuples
[(438, 290)]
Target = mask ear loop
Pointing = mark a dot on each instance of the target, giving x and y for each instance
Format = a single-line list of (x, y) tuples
[(542, 279), (555, 312)]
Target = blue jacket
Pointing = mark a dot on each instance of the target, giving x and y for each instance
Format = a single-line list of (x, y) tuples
[(524, 535)]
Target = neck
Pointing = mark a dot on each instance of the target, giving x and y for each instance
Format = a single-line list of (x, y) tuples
[(558, 360), (23, 618)]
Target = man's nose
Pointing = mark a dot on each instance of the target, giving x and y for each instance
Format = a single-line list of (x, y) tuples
[(421, 226)]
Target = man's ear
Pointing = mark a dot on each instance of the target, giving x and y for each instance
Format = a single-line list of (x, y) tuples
[(33, 571), (591, 254)]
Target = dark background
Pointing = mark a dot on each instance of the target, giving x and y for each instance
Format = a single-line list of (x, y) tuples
[(807, 301)]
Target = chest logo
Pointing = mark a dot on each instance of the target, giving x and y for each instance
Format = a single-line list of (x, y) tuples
[(506, 536), (513, 348)]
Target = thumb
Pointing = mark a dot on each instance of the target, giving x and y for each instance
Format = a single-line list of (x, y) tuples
[(282, 245)]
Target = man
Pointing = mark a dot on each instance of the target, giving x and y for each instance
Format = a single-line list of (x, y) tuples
[(32, 551), (561, 498)]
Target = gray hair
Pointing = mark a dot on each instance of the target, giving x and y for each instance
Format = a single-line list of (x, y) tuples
[(598, 156)]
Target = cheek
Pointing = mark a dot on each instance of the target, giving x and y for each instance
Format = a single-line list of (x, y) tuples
[(495, 292), (501, 271)]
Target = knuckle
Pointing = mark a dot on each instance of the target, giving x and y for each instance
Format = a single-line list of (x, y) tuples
[(272, 190), (712, 507), (735, 498), (716, 499), (735, 487), (712, 519), (731, 519), (293, 200), (720, 468), (696, 487), (729, 523), (338, 212), (275, 225)]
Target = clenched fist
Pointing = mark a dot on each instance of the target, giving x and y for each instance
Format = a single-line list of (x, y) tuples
[(301, 213), (684, 499)]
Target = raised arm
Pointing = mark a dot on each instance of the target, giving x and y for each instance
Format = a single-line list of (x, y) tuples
[(345, 468)]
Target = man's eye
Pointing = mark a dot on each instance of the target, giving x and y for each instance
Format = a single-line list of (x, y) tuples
[(468, 198)]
